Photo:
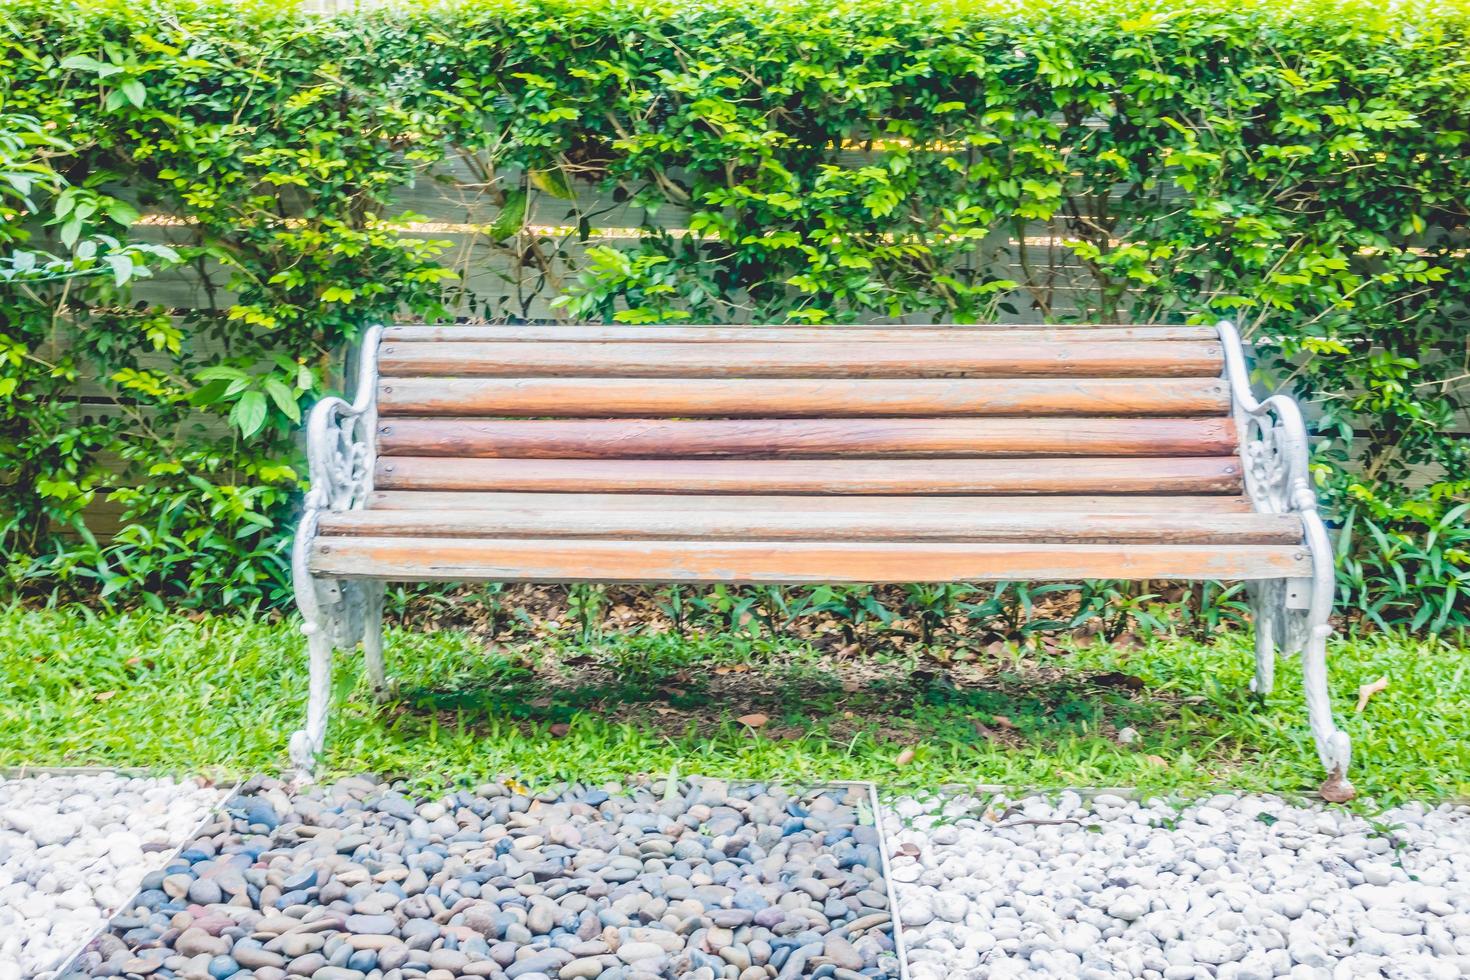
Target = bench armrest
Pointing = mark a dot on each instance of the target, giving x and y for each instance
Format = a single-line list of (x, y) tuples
[(341, 453), (1274, 455), (340, 443)]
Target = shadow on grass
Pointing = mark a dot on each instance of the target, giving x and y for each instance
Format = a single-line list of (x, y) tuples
[(1030, 705)]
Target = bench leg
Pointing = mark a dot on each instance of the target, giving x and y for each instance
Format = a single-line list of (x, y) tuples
[(1280, 618), (1264, 616), (1333, 746), (1265, 678), (306, 743), (372, 639)]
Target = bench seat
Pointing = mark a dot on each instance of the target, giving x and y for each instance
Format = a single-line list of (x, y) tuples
[(861, 454), (748, 538)]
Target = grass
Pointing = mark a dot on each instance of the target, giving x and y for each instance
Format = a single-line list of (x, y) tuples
[(220, 695)]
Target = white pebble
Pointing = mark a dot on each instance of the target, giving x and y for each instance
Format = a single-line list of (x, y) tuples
[(67, 858), (1235, 887)]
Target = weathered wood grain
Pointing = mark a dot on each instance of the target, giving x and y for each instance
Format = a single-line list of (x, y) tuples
[(834, 358), (799, 397), (1109, 475), (687, 455), (956, 506), (900, 523), (660, 333), (794, 438), (563, 560)]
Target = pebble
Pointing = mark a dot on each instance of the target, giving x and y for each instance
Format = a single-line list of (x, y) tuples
[(75, 847), (695, 880), (585, 967), (1235, 887)]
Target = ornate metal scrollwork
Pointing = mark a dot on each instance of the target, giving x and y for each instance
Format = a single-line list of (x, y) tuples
[(1274, 458), (339, 438), (340, 457), (341, 461), (1291, 614), (1267, 463), (335, 612)]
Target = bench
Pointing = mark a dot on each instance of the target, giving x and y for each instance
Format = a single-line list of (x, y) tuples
[(863, 454)]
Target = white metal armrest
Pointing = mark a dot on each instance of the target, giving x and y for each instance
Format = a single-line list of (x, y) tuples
[(341, 454), (1293, 615)]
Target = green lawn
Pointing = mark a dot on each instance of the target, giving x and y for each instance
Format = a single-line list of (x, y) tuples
[(221, 695)]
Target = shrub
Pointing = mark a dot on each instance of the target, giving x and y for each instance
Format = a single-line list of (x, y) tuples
[(1300, 167)]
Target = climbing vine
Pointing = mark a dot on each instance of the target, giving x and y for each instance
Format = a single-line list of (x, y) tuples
[(1300, 167)]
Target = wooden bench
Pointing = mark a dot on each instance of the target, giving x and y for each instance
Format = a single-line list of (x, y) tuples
[(795, 454)]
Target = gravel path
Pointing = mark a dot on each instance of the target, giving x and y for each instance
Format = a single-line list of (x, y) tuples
[(1236, 888), (73, 848), (356, 882)]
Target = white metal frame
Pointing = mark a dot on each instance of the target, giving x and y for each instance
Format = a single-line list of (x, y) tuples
[(1292, 615), (341, 450)]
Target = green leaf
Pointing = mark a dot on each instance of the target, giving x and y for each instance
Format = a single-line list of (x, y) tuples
[(122, 267), (221, 372), (553, 182), (249, 413), (121, 212), (283, 398), (133, 89), (512, 215)]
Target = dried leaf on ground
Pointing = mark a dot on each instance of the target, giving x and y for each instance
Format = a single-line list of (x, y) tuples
[(1118, 679), (753, 720), (1366, 692)]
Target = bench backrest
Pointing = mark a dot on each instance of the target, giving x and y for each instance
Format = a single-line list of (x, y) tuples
[(787, 410)]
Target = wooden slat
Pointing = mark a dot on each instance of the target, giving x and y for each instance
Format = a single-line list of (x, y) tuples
[(957, 506), (766, 438), (1207, 474), (904, 521), (990, 358), (658, 333), (798, 398), (562, 560)]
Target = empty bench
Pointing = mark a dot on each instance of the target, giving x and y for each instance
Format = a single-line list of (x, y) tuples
[(793, 454)]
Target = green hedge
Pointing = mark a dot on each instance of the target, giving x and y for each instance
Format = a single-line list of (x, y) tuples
[(1302, 166)]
